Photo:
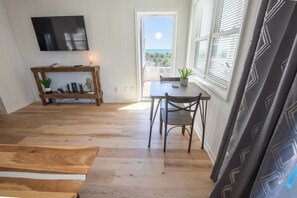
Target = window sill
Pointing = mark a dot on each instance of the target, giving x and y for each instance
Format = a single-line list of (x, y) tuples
[(211, 86)]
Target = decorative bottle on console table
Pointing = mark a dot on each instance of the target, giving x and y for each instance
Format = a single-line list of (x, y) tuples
[(74, 87)]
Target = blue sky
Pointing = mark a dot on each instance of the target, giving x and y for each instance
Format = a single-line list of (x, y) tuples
[(157, 25)]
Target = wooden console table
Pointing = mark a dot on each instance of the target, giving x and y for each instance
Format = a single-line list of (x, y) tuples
[(95, 75)]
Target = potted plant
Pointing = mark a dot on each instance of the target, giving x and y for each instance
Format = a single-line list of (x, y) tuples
[(184, 75), (46, 83)]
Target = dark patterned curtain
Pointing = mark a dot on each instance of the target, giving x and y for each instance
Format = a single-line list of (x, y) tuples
[(259, 147)]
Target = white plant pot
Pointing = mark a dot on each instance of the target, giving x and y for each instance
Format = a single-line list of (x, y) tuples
[(184, 81), (48, 89)]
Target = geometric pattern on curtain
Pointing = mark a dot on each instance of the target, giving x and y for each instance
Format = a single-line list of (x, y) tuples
[(237, 175), (281, 155)]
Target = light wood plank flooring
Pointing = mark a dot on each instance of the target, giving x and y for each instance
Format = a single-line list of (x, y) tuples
[(125, 167)]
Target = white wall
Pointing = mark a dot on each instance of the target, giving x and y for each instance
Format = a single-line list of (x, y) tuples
[(111, 34), (15, 91), (218, 108)]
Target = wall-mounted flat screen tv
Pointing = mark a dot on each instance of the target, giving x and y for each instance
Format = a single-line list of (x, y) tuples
[(61, 33)]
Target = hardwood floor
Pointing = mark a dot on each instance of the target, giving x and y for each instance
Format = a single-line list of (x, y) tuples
[(125, 167)]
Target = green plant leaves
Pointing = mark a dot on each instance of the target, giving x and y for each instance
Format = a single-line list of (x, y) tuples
[(185, 72), (46, 82)]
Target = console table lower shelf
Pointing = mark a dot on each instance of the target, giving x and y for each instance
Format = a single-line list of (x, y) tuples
[(56, 95)]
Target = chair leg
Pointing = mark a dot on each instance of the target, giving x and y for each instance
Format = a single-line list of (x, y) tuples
[(190, 142), (183, 129), (165, 137), (161, 122)]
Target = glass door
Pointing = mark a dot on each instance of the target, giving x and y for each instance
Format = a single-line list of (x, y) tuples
[(157, 53)]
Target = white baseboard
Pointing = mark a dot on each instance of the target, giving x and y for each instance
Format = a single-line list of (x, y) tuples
[(18, 106), (207, 148), (119, 101), (104, 100)]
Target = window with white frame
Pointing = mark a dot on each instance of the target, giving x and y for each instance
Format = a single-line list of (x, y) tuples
[(216, 28)]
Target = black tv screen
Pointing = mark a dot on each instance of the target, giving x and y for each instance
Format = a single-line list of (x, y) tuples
[(61, 33)]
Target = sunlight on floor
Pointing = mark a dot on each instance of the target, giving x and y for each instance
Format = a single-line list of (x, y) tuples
[(137, 106)]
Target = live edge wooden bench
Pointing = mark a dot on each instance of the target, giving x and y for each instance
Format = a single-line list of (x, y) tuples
[(44, 171)]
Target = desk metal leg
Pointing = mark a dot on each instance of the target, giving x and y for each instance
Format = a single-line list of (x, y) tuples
[(152, 118), (151, 121), (203, 112)]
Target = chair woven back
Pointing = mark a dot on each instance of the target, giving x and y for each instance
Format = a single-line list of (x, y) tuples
[(164, 79), (190, 104)]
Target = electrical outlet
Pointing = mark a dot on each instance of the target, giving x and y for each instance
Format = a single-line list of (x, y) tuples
[(116, 89), (125, 89)]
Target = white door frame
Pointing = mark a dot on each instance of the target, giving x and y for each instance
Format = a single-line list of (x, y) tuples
[(138, 15)]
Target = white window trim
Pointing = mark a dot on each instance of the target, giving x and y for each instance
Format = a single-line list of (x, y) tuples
[(202, 79)]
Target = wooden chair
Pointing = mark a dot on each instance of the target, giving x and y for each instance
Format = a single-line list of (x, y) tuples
[(180, 116), (162, 102)]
